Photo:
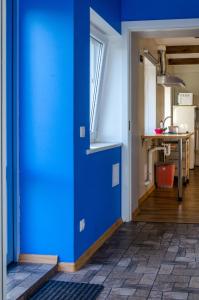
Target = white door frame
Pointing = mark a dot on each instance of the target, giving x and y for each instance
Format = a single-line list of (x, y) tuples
[(3, 194), (127, 130)]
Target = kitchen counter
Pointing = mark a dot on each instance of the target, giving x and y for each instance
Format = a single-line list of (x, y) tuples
[(178, 138), (169, 136)]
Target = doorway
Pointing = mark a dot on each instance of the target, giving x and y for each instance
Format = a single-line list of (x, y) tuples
[(134, 30)]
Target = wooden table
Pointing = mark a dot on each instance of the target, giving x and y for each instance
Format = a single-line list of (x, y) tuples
[(179, 139)]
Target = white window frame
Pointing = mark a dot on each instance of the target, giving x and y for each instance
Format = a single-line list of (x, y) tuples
[(99, 36)]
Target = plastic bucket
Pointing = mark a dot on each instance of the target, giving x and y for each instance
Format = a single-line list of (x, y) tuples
[(165, 175)]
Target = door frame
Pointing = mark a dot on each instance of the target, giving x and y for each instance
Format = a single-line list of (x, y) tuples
[(128, 97), (3, 188), (16, 186)]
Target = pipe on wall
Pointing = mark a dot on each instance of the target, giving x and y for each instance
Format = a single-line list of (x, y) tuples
[(167, 152)]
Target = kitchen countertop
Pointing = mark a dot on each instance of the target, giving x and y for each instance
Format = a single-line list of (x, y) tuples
[(168, 136)]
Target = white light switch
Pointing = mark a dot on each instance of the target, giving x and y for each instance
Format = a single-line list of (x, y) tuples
[(116, 175), (82, 132)]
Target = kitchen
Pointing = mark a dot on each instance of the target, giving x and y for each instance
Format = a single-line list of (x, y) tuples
[(169, 138)]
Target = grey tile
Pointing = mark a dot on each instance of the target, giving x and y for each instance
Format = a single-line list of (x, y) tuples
[(123, 291), (134, 279), (30, 281), (193, 296), (109, 282), (15, 293), (166, 269), (172, 278), (142, 292), (155, 294), (98, 279), (194, 282), (175, 295), (124, 262), (146, 270), (117, 297), (147, 279), (27, 276), (18, 276), (163, 286)]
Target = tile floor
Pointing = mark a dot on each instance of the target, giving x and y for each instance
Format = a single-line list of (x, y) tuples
[(23, 277), (146, 261)]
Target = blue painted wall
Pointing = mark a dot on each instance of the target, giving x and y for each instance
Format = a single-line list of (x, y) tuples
[(97, 201), (154, 10), (109, 10), (59, 183), (46, 127)]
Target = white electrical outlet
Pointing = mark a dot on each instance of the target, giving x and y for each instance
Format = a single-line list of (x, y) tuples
[(115, 175), (82, 225), (82, 132)]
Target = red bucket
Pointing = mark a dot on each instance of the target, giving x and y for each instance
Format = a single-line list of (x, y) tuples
[(165, 175)]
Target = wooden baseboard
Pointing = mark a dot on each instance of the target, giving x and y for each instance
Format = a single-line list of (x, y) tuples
[(146, 195), (141, 200), (72, 267), (135, 212), (38, 259)]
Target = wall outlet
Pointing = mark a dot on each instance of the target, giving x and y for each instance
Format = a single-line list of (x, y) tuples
[(82, 225), (82, 132), (115, 175)]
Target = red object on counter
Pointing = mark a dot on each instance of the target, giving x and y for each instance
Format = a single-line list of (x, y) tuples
[(159, 130), (165, 175)]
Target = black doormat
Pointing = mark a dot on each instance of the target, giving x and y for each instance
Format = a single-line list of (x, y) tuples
[(59, 290)]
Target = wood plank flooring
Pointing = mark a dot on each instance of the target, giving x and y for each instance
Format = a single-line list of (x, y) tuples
[(162, 205)]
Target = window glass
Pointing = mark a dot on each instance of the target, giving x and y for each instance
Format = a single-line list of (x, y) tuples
[(96, 60)]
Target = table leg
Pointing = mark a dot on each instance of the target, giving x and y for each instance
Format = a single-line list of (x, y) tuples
[(180, 171)]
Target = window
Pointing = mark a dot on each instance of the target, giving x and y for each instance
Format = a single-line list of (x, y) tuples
[(149, 96), (96, 63)]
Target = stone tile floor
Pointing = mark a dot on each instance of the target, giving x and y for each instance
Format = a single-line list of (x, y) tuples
[(22, 277), (146, 261)]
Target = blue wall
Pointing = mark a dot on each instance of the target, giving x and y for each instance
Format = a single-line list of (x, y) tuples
[(110, 10), (46, 127), (97, 201), (155, 10), (59, 183)]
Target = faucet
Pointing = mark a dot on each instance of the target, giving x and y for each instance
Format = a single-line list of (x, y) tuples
[(169, 117)]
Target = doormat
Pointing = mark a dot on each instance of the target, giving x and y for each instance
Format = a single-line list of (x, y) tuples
[(59, 290)]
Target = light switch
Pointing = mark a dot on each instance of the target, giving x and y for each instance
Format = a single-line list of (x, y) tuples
[(115, 175), (82, 132)]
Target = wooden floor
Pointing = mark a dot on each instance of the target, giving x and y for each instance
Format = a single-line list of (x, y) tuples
[(162, 205)]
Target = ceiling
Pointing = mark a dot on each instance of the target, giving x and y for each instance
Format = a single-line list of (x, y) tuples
[(178, 38)]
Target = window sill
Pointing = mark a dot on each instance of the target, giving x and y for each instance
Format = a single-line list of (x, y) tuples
[(97, 147)]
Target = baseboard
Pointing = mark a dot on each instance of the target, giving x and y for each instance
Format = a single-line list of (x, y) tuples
[(146, 195), (135, 212), (141, 201), (72, 267), (38, 259)]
